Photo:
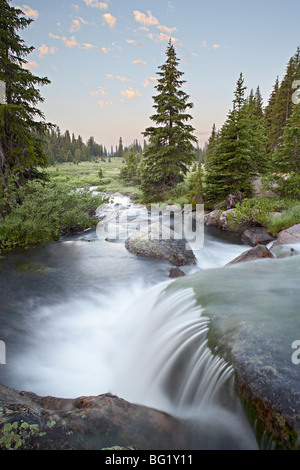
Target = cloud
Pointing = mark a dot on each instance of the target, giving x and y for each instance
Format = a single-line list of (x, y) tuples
[(214, 46), (30, 65), (96, 4), (165, 37), (148, 81), (104, 104), (54, 36), (88, 47), (76, 24), (44, 50), (104, 50), (109, 19), (166, 29), (130, 93), (134, 42), (146, 20), (101, 91), (118, 77), (30, 11), (140, 63), (72, 42), (54, 68)]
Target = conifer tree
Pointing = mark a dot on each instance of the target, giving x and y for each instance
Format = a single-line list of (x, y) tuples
[(170, 151), (210, 148), (21, 122), (287, 158), (269, 116), (282, 108), (232, 165)]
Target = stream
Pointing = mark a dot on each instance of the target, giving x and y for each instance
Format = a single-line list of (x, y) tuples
[(83, 316)]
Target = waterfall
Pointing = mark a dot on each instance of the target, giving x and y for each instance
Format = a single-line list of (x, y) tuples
[(168, 365)]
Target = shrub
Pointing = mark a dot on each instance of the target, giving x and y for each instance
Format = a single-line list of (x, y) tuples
[(47, 211)]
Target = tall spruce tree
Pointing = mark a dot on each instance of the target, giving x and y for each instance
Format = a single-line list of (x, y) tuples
[(287, 158), (233, 162), (269, 117), (21, 122), (170, 151), (210, 148), (283, 104)]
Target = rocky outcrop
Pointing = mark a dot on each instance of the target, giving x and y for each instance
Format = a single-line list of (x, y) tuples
[(220, 219), (260, 251), (289, 236), (258, 190), (159, 242), (257, 236), (31, 422)]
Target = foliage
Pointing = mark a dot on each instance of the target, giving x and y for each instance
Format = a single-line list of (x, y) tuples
[(129, 173), (239, 152), (255, 211), (284, 185), (279, 108), (287, 157), (45, 213), (170, 150), (21, 122), (195, 194), (288, 218)]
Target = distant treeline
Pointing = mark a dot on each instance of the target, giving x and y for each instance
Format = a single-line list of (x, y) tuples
[(65, 147)]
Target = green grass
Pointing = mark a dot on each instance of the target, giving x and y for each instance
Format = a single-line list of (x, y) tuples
[(87, 174), (288, 218)]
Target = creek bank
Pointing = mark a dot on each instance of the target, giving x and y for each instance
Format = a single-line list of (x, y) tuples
[(31, 422)]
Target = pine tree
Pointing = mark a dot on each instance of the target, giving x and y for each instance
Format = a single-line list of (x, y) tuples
[(170, 151), (129, 172), (120, 149), (21, 122), (283, 104), (287, 158), (210, 148), (232, 166), (269, 116), (257, 133)]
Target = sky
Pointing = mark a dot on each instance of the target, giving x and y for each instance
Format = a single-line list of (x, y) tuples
[(102, 58)]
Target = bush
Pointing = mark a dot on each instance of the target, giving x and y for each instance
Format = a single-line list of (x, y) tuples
[(47, 211), (287, 219), (286, 186), (253, 211)]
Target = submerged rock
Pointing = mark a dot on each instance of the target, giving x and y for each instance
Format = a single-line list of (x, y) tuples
[(176, 272), (260, 251), (159, 242)]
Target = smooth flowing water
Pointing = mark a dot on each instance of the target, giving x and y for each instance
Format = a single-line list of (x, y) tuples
[(87, 317)]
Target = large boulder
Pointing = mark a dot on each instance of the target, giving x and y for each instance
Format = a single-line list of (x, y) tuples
[(159, 242), (224, 223), (257, 236), (31, 422), (220, 219), (290, 236), (260, 251), (258, 190)]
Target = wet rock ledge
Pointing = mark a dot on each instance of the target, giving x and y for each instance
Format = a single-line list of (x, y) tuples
[(31, 422)]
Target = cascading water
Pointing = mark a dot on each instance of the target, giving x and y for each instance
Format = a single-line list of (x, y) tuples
[(95, 319)]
